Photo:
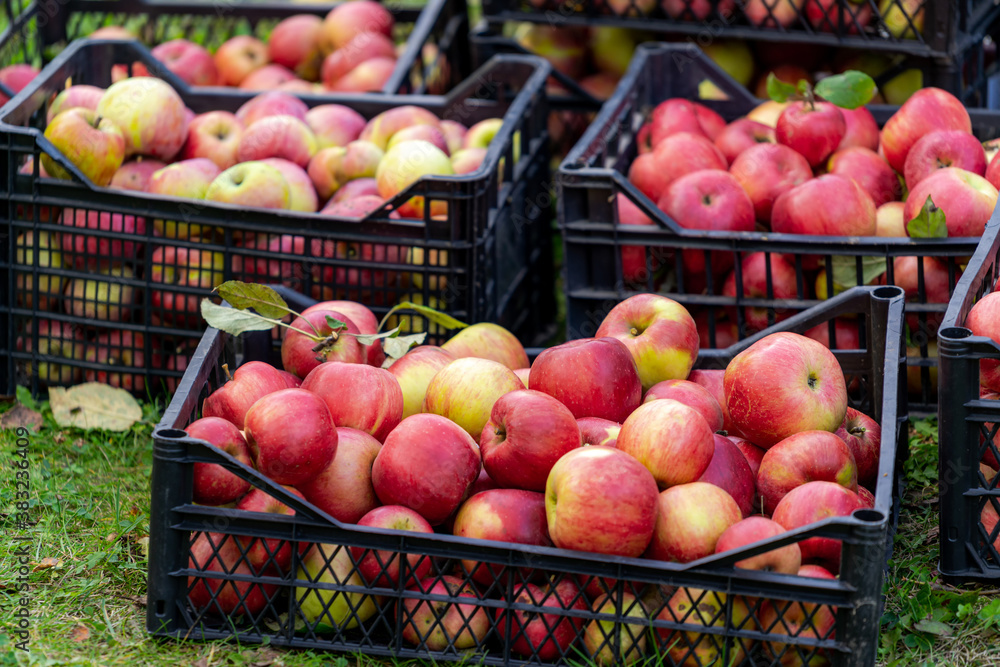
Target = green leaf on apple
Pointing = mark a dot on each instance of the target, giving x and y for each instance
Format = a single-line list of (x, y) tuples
[(845, 271), (368, 339), (337, 325), (233, 321), (261, 298), (849, 90), (435, 316), (94, 405), (929, 223), (778, 90), (396, 346)]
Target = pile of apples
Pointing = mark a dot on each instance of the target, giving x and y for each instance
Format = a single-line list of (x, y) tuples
[(806, 167), (470, 439)]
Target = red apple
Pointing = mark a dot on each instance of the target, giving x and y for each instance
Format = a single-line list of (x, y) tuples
[(634, 262), (766, 171), (363, 318), (94, 145), (755, 270), (812, 502), (671, 439), (593, 377), (238, 57), (434, 625), (807, 456), (294, 43), (251, 382), (984, 320), (213, 484), (863, 436), (730, 471), (358, 396), (345, 21), (927, 110), (602, 500), (263, 555), (426, 442), (681, 115), (783, 384), (947, 148), (692, 395), (534, 633), (291, 435), (673, 157), (595, 431), (814, 130), (381, 569), (967, 200), (862, 130), (189, 61), (217, 553), (829, 205), (297, 354), (214, 135), (363, 46), (845, 334), (742, 134), (689, 520), (343, 489), (273, 103), (934, 279), (122, 350), (784, 560), (711, 379), (286, 137), (16, 78), (753, 454), (135, 174), (867, 169)]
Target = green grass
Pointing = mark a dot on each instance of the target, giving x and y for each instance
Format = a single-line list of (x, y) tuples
[(90, 499)]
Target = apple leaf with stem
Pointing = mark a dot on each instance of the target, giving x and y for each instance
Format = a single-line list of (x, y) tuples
[(435, 316), (929, 224), (848, 90), (845, 271), (261, 298)]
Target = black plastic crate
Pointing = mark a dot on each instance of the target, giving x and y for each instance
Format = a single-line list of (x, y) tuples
[(967, 426), (594, 175), (434, 60), (855, 598), (488, 259)]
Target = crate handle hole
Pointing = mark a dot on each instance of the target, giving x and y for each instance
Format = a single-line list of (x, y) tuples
[(955, 332), (889, 292), (172, 433), (869, 516)]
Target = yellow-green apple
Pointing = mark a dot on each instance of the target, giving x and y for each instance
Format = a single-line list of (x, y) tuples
[(680, 115), (467, 160), (766, 171), (543, 631), (219, 554), (812, 502), (302, 194), (807, 456), (454, 134), (251, 382), (87, 251), (527, 432), (335, 124), (426, 442), (946, 148), (447, 624), (188, 179), (693, 606), (863, 436), (332, 610), (889, 219), (753, 529), (733, 56), (928, 110), (213, 484), (671, 439), (95, 145), (150, 114), (363, 318), (674, 156), (349, 19), (802, 620), (374, 403), (214, 135), (593, 377), (598, 432), (135, 174), (781, 13), (742, 134), (78, 96), (291, 435), (278, 136), (967, 200), (183, 267), (692, 395), (565, 47), (488, 341), (867, 169), (381, 569), (783, 384), (335, 166), (934, 280), (359, 187), (609, 642), (828, 205), (730, 471), (634, 268), (814, 130), (481, 134), (689, 520), (238, 57), (55, 339), (297, 354), (465, 390), (294, 43), (16, 78), (50, 286), (192, 63), (406, 163), (764, 276), (268, 554), (903, 19), (368, 77), (414, 372), (983, 321), (767, 113), (362, 47), (622, 523), (658, 332), (862, 130), (711, 200), (501, 515), (831, 16), (107, 295), (268, 77), (124, 350), (251, 184), (273, 103), (343, 489)]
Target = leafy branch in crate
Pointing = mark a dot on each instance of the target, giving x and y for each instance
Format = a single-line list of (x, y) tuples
[(256, 307)]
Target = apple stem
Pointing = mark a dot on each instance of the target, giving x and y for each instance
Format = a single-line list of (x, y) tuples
[(225, 368), (326, 342), (857, 431)]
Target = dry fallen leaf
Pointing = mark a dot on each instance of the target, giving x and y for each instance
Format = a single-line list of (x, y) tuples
[(93, 405), (20, 417), (80, 633), (47, 563)]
